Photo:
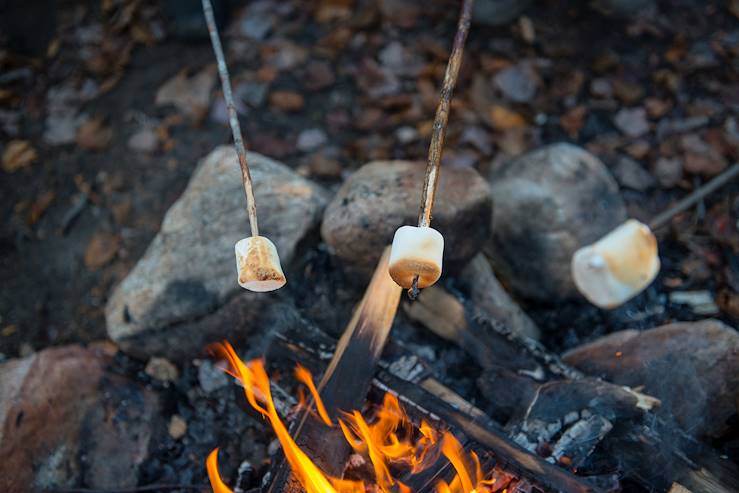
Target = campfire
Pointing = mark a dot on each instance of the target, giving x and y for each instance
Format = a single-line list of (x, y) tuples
[(387, 439), (356, 423)]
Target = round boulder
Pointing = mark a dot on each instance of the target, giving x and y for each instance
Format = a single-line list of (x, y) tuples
[(384, 195), (547, 204)]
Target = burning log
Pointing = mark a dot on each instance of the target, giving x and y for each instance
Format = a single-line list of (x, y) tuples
[(555, 403), (345, 382), (406, 376)]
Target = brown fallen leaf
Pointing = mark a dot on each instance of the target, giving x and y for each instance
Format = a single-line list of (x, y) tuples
[(101, 249), (39, 206), (573, 120), (287, 101), (190, 95), (334, 10), (504, 119), (94, 135), (18, 154)]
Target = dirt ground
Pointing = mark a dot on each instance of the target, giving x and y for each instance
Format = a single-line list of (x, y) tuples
[(78, 214)]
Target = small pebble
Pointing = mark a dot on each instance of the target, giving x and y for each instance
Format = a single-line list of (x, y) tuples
[(210, 377), (177, 427), (311, 139), (161, 369)]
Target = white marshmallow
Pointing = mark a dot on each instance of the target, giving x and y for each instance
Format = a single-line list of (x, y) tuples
[(416, 251), (618, 266), (258, 265)]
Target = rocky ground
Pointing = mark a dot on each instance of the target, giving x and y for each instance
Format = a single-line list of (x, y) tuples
[(105, 119)]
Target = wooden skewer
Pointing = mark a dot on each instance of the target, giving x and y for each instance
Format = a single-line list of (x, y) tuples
[(625, 261), (695, 196), (233, 119), (431, 181)]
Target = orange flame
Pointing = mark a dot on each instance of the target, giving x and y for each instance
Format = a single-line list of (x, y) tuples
[(388, 439), (216, 483)]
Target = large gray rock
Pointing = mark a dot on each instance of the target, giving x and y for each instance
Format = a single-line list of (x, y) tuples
[(692, 367), (66, 421), (189, 270), (547, 204), (384, 195)]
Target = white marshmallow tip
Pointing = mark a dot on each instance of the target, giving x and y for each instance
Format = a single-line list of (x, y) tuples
[(258, 265), (416, 251), (617, 267)]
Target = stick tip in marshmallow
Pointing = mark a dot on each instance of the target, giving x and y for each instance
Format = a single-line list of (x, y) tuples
[(258, 265), (416, 251), (618, 266)]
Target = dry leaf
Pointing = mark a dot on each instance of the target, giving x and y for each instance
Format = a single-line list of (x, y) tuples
[(573, 120), (39, 206), (94, 135), (18, 154), (102, 249), (191, 95), (504, 119), (334, 10)]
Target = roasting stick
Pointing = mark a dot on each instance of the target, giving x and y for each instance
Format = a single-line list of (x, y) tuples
[(623, 263), (417, 251), (257, 261)]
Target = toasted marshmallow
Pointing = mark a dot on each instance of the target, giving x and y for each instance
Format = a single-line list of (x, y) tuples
[(416, 252), (618, 266), (258, 264)]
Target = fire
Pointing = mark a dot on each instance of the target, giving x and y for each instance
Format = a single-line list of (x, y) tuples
[(389, 440)]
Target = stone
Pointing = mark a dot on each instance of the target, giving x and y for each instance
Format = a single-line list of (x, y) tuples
[(498, 12), (66, 421), (692, 367), (384, 195), (311, 139), (632, 122), (177, 427), (189, 271), (701, 157), (518, 83), (144, 140), (668, 171), (630, 174), (211, 378), (161, 369), (547, 204), (401, 60)]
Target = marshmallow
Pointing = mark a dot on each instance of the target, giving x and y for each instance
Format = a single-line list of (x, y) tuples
[(258, 264), (618, 266), (416, 251)]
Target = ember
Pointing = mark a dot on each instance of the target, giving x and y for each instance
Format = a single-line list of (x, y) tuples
[(388, 440)]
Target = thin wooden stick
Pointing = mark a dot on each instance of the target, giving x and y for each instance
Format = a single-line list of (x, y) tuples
[(695, 196), (233, 120), (436, 147), (431, 181)]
